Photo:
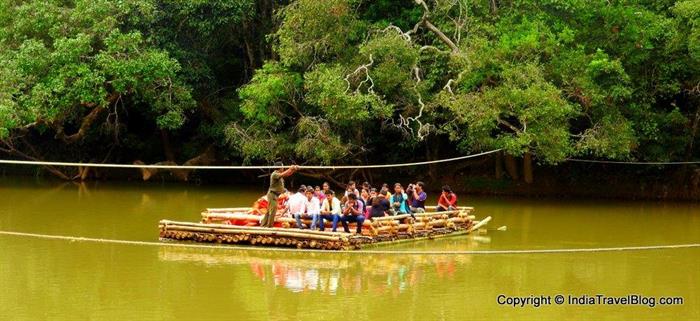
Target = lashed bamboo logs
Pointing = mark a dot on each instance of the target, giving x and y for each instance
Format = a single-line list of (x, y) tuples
[(389, 228)]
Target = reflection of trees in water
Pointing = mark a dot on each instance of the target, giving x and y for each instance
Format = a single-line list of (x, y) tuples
[(329, 273)]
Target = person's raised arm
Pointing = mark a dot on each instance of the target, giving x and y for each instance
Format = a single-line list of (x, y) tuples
[(442, 200), (325, 206), (452, 200), (289, 171)]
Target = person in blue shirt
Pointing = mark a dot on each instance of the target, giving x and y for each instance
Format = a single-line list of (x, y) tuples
[(399, 201), (418, 197)]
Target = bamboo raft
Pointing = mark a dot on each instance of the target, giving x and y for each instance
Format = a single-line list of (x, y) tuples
[(216, 227)]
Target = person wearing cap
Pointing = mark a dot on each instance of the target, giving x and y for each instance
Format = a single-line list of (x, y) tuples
[(276, 188)]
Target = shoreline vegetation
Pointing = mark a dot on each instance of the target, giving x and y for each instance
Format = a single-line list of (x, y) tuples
[(359, 82), (480, 177)]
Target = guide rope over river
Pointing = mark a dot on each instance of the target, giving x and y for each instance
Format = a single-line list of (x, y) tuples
[(242, 228)]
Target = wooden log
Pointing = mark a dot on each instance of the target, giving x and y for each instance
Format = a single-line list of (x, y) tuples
[(228, 209), (170, 224), (439, 214), (391, 218), (258, 232), (480, 224), (433, 207), (437, 223)]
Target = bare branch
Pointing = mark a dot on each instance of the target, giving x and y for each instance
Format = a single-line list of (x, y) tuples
[(442, 36), (359, 69)]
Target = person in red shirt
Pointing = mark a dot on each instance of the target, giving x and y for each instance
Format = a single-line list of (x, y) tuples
[(448, 200)]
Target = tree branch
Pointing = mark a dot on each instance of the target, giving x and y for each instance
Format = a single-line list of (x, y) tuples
[(509, 125), (84, 127), (444, 38)]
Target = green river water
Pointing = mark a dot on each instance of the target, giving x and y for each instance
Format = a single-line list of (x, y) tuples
[(45, 279)]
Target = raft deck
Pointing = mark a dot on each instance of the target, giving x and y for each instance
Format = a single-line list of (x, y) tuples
[(285, 234)]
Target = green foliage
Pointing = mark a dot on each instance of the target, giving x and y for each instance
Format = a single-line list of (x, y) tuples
[(267, 94), (75, 57), (313, 31), (327, 89), (318, 143), (325, 81)]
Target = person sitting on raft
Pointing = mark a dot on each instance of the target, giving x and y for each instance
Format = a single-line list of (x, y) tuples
[(365, 185), (330, 210), (276, 188), (351, 188), (399, 201), (385, 190), (418, 197), (313, 207), (296, 205), (319, 193), (352, 213), (448, 200), (380, 206), (366, 199), (326, 188), (312, 210)]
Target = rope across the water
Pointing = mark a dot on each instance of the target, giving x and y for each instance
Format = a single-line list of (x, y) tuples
[(397, 252), (233, 167), (73, 164)]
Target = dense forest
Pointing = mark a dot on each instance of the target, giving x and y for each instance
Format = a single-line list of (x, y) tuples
[(347, 81)]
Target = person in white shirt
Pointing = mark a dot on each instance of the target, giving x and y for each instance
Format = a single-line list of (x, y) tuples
[(330, 210), (297, 203), (350, 188), (313, 210)]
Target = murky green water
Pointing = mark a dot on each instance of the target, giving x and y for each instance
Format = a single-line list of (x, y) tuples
[(60, 280)]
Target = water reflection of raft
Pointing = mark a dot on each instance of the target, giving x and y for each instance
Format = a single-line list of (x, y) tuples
[(235, 226)]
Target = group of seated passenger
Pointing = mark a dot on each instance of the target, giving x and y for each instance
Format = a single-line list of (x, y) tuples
[(321, 204)]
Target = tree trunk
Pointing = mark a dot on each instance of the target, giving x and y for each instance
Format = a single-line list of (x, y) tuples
[(167, 149), (511, 167), (527, 168), (693, 133), (499, 165)]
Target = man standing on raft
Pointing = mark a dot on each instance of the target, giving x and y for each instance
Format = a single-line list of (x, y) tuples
[(276, 188)]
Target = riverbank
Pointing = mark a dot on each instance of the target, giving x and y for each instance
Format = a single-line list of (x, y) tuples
[(476, 177)]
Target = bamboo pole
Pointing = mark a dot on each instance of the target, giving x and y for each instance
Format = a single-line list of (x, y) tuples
[(480, 224), (389, 218), (168, 224), (258, 234), (227, 209), (469, 208), (231, 216)]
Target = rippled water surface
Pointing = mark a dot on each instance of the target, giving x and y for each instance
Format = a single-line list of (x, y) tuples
[(44, 279)]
